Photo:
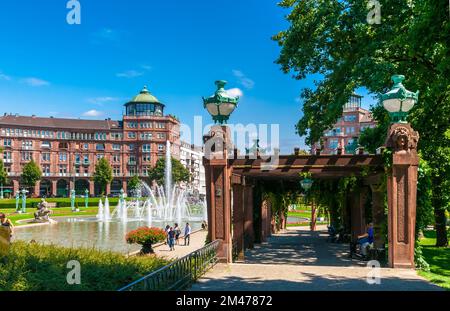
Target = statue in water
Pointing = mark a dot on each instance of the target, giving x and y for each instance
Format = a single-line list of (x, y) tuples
[(43, 212)]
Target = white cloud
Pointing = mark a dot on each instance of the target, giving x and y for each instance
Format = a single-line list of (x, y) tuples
[(35, 82), (106, 34), (235, 92), (129, 74), (147, 67), (4, 77), (243, 79), (93, 113), (101, 100)]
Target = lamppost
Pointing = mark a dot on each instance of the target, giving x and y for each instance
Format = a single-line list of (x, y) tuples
[(220, 105), (306, 184), (217, 143), (24, 201), (398, 101), (1, 192)]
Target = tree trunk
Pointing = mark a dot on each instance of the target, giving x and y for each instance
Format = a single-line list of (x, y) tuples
[(439, 212)]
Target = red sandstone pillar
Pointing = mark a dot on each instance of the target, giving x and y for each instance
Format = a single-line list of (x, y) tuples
[(54, 188), (37, 189), (358, 219), (92, 188), (218, 189), (402, 192), (238, 220), (249, 233), (377, 214), (264, 220)]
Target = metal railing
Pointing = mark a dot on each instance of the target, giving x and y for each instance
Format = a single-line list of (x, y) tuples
[(179, 274)]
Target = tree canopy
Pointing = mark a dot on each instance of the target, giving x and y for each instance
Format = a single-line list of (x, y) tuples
[(31, 174), (179, 172), (332, 39), (103, 173)]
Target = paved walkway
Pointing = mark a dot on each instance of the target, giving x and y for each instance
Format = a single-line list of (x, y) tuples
[(301, 260), (197, 241)]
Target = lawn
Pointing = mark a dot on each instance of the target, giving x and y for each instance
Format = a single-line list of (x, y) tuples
[(438, 258), (60, 202), (64, 211), (35, 267)]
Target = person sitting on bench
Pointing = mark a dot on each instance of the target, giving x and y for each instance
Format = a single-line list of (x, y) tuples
[(366, 239)]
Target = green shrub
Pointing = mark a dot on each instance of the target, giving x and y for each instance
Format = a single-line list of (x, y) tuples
[(36, 267)]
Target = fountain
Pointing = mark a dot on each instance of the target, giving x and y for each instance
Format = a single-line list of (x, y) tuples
[(162, 204)]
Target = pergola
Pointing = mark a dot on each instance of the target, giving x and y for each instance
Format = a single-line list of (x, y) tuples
[(231, 179)]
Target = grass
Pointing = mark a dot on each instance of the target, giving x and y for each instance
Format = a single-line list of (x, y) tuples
[(306, 224), (35, 267), (61, 202), (64, 211), (438, 258)]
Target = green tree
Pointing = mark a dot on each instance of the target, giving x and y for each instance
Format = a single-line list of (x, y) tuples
[(3, 173), (134, 183), (31, 174), (103, 174), (333, 40), (179, 172)]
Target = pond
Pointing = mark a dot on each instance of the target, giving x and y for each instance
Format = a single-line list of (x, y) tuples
[(87, 232)]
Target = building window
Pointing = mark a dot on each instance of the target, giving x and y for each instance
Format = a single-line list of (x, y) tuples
[(100, 156), (132, 125), (63, 169), (7, 156), (146, 158), (145, 170), (160, 147), (45, 157), (116, 171), (161, 136), (46, 169), (7, 143), (63, 146), (63, 157), (146, 136), (27, 144), (100, 147), (350, 118), (46, 144), (116, 158), (26, 156), (131, 147), (131, 135), (116, 147), (146, 148)]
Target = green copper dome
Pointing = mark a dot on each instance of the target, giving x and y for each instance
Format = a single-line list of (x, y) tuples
[(145, 97)]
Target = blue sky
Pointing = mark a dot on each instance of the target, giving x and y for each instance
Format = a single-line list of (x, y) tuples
[(177, 48)]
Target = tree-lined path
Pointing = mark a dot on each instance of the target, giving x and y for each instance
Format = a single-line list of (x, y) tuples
[(302, 260)]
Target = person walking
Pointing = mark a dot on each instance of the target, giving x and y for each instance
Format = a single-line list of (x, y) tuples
[(172, 239), (177, 234), (187, 234), (167, 234), (6, 232)]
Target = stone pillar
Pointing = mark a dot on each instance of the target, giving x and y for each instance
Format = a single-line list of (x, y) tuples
[(378, 215), (54, 189), (16, 187), (37, 189), (238, 220), (249, 233), (108, 189), (218, 184), (92, 188), (402, 192), (264, 220), (357, 215)]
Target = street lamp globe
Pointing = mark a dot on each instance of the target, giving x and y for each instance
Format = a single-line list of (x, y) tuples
[(306, 183), (399, 101), (220, 105)]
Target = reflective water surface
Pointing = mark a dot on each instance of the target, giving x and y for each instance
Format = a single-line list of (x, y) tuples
[(88, 232)]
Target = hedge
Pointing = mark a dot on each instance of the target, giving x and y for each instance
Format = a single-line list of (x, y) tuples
[(36, 267)]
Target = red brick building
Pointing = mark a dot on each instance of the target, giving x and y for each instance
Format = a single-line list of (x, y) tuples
[(346, 131), (67, 150)]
